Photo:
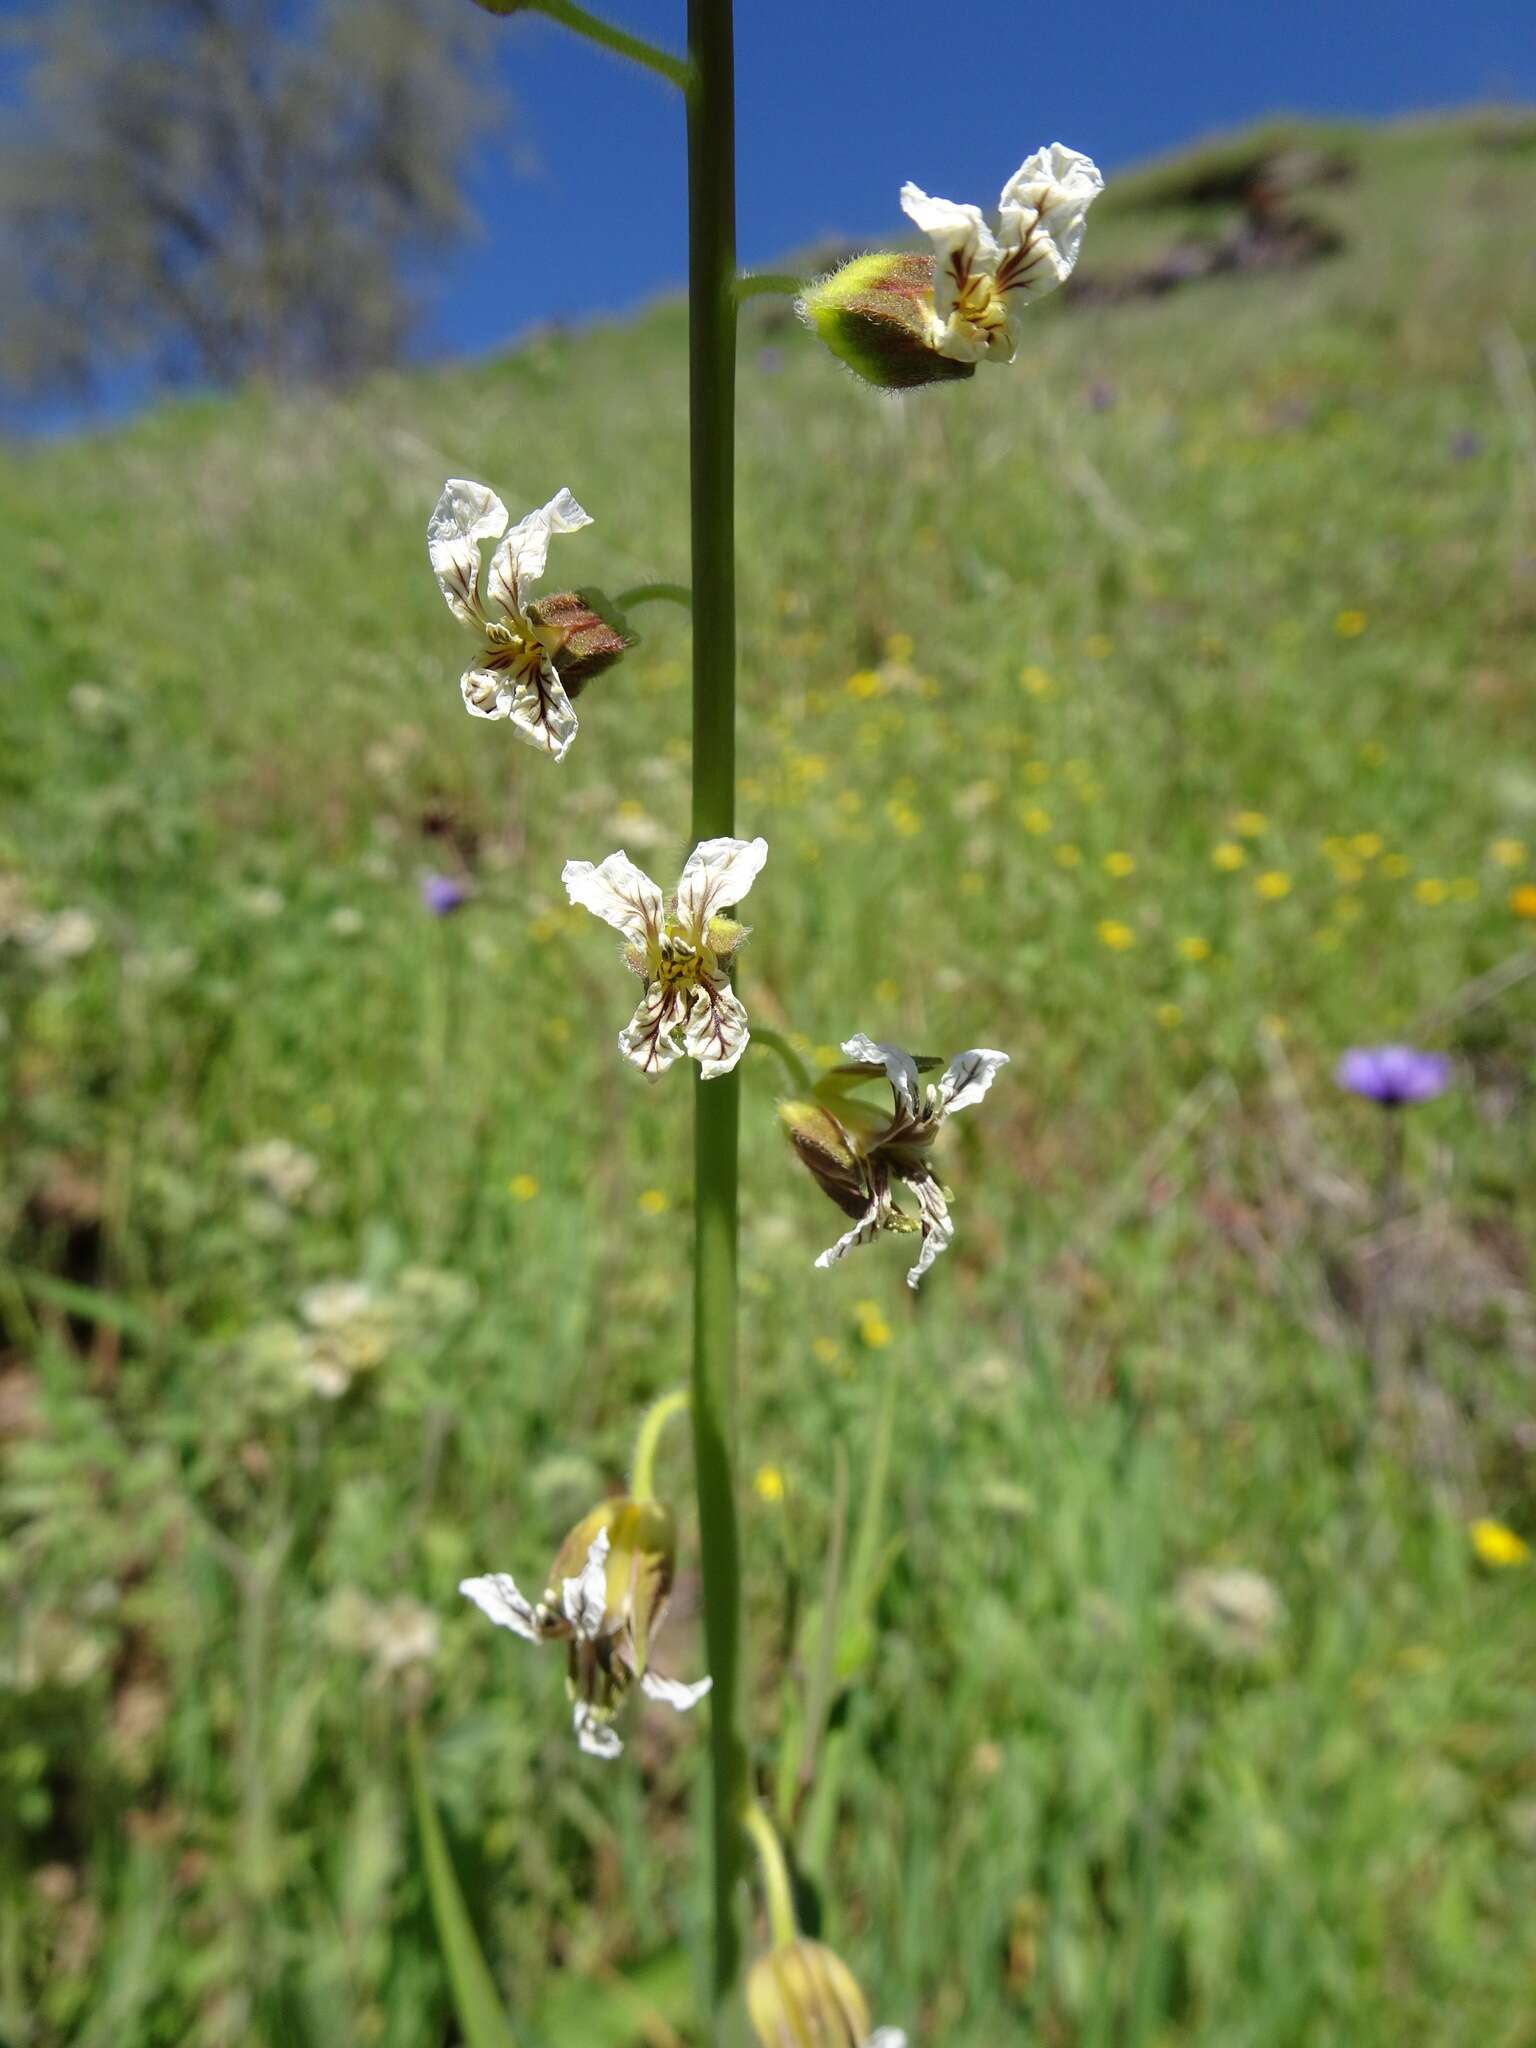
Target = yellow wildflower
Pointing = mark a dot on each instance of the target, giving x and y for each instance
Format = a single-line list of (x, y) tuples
[(864, 683), (1119, 865), (1272, 885), (873, 1328), (1431, 890), (654, 1202), (1508, 853), (1366, 845), (1169, 1016), (768, 1484), (1350, 625), (522, 1187), (1034, 819), (1117, 936), (1194, 948), (1396, 866), (1522, 900), (1250, 824), (1036, 680), (899, 646), (1067, 855), (1497, 1545), (1037, 772), (886, 991), (1228, 856), (1373, 753)]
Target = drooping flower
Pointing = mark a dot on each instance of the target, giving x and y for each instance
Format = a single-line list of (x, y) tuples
[(681, 948), (1393, 1074), (533, 655), (606, 1598), (983, 281), (855, 1152), (803, 1995)]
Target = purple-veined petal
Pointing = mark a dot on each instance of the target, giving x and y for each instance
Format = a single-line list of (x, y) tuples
[(717, 874), (465, 515), (619, 893), (968, 1077)]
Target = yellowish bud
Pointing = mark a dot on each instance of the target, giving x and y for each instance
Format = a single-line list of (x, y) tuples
[(803, 1995), (876, 315)]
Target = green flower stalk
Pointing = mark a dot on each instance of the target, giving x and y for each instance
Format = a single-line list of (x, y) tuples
[(717, 1102)]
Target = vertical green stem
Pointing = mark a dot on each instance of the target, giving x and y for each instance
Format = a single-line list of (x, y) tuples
[(712, 451)]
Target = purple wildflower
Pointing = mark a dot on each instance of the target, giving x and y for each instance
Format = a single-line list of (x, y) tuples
[(1393, 1074), (1101, 396), (1466, 446), (442, 895)]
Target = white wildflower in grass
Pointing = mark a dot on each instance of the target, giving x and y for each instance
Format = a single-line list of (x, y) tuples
[(803, 1995), (983, 281), (64, 936), (280, 1168), (515, 673), (681, 949), (607, 1596), (1235, 1613), (856, 1152)]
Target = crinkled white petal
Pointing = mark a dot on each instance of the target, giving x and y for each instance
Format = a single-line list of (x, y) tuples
[(717, 874), (497, 1597), (597, 1735), (968, 1077), (541, 712), (649, 1040), (887, 2037), (867, 1227), (962, 245), (1044, 212), (486, 693), (938, 1229), (618, 892), (672, 1692), (520, 559), (716, 1033), (584, 1600), (466, 514), (900, 1068)]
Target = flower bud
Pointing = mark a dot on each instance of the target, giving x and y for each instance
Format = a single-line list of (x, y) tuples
[(578, 639), (802, 1995), (824, 1146), (876, 314)]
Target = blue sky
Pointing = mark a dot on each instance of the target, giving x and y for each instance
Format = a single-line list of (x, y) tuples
[(839, 101)]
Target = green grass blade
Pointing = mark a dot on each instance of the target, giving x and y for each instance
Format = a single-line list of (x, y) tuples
[(475, 2000)]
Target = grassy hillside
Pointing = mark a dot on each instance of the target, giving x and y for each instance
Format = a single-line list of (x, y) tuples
[(1160, 712)]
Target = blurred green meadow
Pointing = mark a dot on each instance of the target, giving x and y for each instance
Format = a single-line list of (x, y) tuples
[(1160, 712)]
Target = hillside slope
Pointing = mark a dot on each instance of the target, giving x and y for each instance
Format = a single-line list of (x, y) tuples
[(1161, 712)]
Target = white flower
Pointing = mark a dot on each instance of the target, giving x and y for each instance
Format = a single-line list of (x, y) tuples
[(66, 935), (607, 1613), (681, 950), (984, 281), (513, 675), (855, 1153), (284, 1170)]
